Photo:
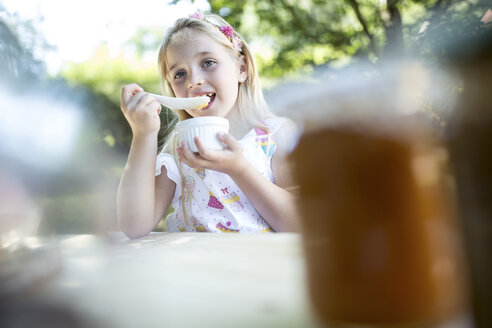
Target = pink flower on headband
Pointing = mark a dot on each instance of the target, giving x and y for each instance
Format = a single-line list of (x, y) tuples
[(197, 15), (228, 31)]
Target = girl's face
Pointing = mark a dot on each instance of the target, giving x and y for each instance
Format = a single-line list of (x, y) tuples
[(201, 66)]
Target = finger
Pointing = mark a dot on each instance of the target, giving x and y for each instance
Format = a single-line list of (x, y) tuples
[(135, 99), (129, 91), (204, 152), (154, 106), (181, 157), (146, 99), (189, 157), (151, 103), (229, 141)]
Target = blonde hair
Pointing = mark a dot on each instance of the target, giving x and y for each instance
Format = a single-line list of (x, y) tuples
[(250, 103)]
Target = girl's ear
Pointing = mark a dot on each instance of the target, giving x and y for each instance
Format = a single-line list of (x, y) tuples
[(243, 69)]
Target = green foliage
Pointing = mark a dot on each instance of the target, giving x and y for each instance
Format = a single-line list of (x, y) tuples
[(314, 32), (288, 38), (19, 41), (106, 75)]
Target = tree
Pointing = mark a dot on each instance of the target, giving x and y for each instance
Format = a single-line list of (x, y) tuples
[(16, 58), (104, 76), (314, 32), (289, 37)]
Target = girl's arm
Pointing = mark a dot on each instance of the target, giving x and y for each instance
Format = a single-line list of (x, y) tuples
[(142, 198), (272, 201)]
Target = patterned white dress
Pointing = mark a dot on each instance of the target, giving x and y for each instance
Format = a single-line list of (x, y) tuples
[(212, 201)]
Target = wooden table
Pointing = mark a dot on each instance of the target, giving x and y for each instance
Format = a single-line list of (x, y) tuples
[(172, 280)]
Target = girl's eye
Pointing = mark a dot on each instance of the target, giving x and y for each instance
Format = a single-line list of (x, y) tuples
[(208, 63), (178, 74)]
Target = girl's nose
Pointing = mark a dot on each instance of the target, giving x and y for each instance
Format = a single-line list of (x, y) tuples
[(195, 81)]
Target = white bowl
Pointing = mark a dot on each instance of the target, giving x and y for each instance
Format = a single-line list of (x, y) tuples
[(205, 128)]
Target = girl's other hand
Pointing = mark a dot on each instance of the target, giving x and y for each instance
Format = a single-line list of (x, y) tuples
[(230, 160), (141, 110)]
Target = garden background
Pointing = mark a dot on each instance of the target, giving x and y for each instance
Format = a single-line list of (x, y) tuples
[(64, 140)]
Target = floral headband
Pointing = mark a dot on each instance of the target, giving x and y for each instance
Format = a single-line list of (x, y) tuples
[(227, 30)]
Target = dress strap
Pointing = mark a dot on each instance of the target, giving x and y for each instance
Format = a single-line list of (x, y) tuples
[(288, 138), (273, 124)]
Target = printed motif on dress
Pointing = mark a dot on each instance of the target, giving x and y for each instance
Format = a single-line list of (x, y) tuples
[(231, 198)]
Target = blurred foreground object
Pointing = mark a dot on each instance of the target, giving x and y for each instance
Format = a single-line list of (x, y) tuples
[(182, 280), (19, 215), (382, 241), (25, 264), (470, 142)]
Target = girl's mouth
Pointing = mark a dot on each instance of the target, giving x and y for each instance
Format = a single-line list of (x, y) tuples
[(212, 98)]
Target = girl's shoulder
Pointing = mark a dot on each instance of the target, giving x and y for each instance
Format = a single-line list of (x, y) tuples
[(273, 124), (284, 132)]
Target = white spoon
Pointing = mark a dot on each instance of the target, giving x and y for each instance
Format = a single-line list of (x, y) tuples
[(182, 103)]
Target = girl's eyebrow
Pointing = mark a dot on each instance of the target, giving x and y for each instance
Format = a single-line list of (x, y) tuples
[(204, 53), (173, 66), (200, 54)]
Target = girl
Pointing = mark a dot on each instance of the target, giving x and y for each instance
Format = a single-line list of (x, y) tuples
[(243, 188)]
